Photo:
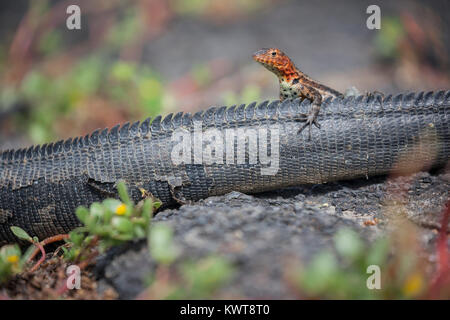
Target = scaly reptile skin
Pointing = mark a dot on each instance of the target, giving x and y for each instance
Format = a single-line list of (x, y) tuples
[(41, 187)]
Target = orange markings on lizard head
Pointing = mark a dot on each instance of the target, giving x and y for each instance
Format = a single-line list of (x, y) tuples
[(278, 62)]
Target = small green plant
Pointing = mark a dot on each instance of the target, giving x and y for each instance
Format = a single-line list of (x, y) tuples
[(347, 274), (106, 224), (35, 247), (198, 279), (109, 223), (326, 277), (388, 40), (202, 278), (11, 262), (161, 245)]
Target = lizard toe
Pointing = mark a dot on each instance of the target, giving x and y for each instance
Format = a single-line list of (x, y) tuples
[(316, 123), (310, 120)]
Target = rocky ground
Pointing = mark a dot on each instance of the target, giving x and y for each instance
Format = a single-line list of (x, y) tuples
[(259, 234)]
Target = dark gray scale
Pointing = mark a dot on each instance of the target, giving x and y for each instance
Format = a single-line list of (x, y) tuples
[(396, 100), (187, 119), (284, 108), (387, 102), (230, 113), (272, 109), (49, 148), (250, 111), (103, 137), (156, 124), (19, 154), (418, 101), (408, 99), (220, 115), (240, 112), (261, 109), (429, 99), (177, 120), (113, 134), (446, 98), (145, 126), (198, 116), (134, 129), (124, 132), (166, 123), (93, 140), (56, 148), (208, 116), (37, 148)]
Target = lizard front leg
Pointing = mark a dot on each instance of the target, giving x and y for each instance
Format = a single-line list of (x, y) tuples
[(311, 118)]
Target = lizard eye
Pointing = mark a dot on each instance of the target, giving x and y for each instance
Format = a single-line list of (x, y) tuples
[(274, 54)]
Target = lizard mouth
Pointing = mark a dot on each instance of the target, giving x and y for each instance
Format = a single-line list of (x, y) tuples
[(261, 60), (259, 56)]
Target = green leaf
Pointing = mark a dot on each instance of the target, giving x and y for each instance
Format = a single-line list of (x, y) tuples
[(27, 254), (206, 275), (161, 245), (111, 205), (139, 232), (379, 252), (97, 210), (76, 237), (321, 273), (82, 214), (123, 71), (21, 234), (122, 224), (348, 244), (147, 209), (157, 204), (123, 193), (50, 42)]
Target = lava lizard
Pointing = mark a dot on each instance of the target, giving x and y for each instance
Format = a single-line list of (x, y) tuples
[(296, 84)]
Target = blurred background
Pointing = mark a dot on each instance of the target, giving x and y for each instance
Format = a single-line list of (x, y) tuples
[(138, 58)]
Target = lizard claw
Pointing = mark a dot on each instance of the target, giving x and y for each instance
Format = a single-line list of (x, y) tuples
[(316, 123), (310, 120)]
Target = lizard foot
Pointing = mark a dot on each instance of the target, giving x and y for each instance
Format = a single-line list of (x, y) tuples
[(311, 119), (375, 93)]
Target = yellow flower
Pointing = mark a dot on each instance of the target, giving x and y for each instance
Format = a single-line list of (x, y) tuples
[(413, 285), (121, 209), (13, 259)]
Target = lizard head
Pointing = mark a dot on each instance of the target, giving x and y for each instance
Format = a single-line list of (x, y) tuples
[(274, 60)]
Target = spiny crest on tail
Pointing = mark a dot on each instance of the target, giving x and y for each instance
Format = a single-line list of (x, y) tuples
[(262, 110)]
